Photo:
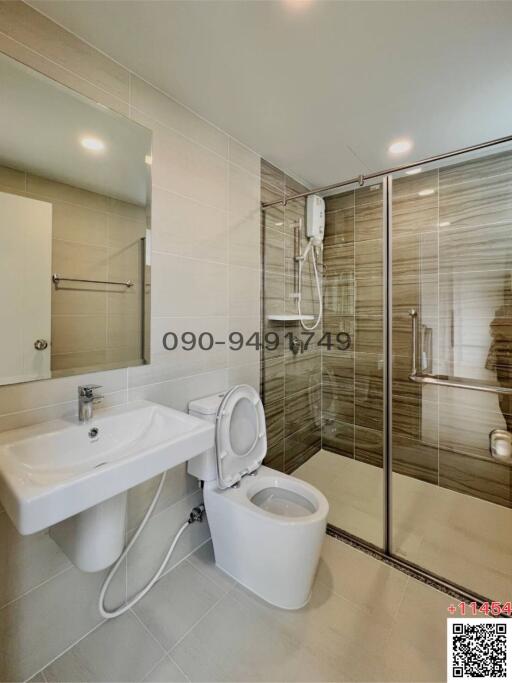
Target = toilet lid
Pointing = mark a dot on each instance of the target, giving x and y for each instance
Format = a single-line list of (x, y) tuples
[(240, 433)]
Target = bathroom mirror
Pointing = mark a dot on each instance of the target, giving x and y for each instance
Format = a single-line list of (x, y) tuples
[(75, 190)]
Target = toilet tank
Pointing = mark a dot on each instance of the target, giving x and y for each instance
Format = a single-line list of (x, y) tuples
[(204, 466)]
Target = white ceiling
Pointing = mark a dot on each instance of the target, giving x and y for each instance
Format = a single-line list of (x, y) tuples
[(41, 126), (319, 87)]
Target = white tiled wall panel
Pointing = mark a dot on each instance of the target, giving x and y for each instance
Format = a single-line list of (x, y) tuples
[(205, 277)]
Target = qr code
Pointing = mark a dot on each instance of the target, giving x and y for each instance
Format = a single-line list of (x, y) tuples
[(478, 649)]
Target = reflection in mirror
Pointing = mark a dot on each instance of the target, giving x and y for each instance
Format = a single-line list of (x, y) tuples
[(75, 189)]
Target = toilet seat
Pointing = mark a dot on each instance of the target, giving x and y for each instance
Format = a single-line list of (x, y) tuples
[(240, 435), (246, 496)]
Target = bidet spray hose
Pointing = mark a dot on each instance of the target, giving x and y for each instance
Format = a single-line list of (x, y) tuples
[(195, 516)]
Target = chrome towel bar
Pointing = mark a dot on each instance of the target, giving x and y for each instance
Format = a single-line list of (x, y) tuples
[(57, 278), (445, 380)]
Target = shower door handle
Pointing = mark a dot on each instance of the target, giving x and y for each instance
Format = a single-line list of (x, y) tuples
[(444, 380)]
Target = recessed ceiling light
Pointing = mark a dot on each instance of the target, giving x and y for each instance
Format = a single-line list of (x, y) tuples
[(413, 171), (297, 5), (400, 146), (425, 193), (444, 224), (93, 144)]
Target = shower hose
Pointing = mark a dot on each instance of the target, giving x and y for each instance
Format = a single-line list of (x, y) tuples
[(195, 516), (302, 261)]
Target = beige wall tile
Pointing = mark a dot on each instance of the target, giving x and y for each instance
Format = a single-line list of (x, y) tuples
[(244, 157), (22, 397), (244, 291), (70, 259), (45, 188), (187, 227), (249, 327), (185, 167), (10, 178), (244, 218), (245, 374), (124, 330), (79, 224), (188, 287), (170, 113), (75, 333), (83, 360), (123, 230), (179, 392), (178, 484), (22, 23), (62, 75)]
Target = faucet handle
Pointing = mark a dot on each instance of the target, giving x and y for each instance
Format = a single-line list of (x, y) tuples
[(87, 391)]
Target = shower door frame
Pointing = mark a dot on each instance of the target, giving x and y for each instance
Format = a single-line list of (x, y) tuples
[(385, 552)]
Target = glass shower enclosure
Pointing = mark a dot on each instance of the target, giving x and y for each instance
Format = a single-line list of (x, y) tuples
[(415, 449)]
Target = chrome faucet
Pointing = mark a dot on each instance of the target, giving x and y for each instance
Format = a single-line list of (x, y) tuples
[(86, 400)]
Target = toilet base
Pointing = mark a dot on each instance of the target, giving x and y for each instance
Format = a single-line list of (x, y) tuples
[(273, 556), (262, 597)]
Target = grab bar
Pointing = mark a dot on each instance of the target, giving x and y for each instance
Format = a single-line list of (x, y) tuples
[(445, 380)]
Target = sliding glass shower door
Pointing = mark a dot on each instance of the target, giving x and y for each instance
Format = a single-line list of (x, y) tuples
[(411, 413), (451, 371)]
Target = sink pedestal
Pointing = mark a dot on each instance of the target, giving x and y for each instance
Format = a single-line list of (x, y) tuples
[(94, 539)]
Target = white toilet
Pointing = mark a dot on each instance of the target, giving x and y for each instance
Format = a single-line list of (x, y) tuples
[(267, 527)]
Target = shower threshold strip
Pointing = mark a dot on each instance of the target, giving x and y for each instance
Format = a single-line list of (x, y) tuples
[(416, 572)]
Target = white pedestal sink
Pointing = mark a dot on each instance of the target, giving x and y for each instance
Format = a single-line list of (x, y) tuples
[(73, 476)]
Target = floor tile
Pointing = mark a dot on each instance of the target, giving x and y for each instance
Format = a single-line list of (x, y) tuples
[(119, 650), (331, 628), (204, 561), (38, 678), (361, 579), (165, 671), (417, 646), (236, 642), (40, 625), (176, 603)]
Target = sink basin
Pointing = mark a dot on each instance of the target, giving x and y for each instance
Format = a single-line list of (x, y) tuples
[(52, 471)]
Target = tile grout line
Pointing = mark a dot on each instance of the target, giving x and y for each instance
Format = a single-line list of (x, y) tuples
[(196, 623), (64, 68), (165, 128), (154, 667), (178, 666), (67, 649), (33, 588), (198, 569), (152, 636)]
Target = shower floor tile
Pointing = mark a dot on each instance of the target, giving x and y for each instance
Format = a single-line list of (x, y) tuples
[(461, 538)]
